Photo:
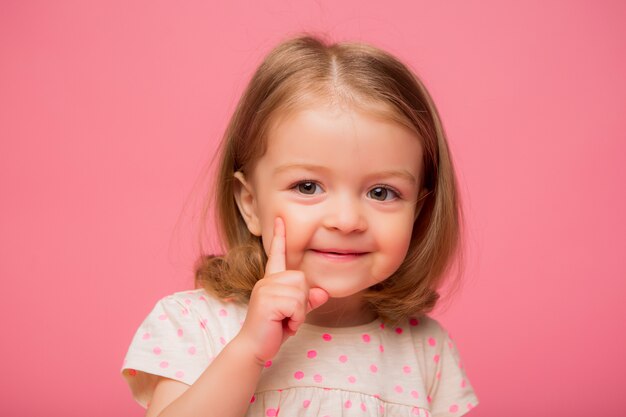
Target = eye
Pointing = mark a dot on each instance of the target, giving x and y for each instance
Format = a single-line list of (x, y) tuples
[(307, 187), (382, 194)]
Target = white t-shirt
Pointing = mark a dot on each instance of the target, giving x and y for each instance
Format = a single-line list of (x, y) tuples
[(413, 369)]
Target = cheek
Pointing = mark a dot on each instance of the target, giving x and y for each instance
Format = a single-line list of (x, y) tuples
[(299, 228), (296, 217), (268, 209), (394, 238)]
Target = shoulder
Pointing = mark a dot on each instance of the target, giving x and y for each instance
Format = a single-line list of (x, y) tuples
[(200, 302), (189, 297), (447, 384), (427, 331), (191, 317), (218, 318), (180, 336), (432, 342)]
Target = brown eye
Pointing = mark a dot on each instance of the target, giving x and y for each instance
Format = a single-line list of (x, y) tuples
[(382, 194), (307, 187)]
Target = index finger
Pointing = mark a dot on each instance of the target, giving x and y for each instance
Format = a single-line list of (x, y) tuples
[(276, 260)]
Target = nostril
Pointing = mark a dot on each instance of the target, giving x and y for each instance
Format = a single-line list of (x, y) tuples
[(346, 221)]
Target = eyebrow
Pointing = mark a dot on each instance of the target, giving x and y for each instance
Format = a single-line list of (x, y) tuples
[(401, 173)]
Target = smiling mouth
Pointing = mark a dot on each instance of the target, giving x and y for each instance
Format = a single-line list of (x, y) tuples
[(339, 255)]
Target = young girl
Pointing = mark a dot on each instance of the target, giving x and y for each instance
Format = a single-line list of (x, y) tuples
[(338, 208)]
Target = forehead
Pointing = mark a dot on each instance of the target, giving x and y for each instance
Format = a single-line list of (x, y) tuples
[(339, 136)]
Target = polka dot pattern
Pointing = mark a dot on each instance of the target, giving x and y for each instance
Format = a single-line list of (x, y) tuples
[(370, 369)]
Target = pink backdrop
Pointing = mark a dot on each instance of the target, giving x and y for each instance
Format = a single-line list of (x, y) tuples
[(110, 110)]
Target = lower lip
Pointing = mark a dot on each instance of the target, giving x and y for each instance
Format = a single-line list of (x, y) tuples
[(339, 257)]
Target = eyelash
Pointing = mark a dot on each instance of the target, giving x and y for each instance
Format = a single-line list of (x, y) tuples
[(385, 187)]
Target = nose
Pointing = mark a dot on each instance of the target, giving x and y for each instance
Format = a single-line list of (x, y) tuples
[(345, 214)]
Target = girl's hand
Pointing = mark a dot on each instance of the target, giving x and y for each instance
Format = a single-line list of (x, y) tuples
[(279, 302)]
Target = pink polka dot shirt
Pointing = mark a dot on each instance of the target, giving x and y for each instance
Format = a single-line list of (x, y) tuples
[(412, 369)]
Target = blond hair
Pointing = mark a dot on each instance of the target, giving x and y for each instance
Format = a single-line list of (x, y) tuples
[(306, 68)]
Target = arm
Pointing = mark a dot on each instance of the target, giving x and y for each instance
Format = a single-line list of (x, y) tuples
[(223, 389), (278, 306)]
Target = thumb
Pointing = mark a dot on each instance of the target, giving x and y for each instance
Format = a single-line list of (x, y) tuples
[(317, 297)]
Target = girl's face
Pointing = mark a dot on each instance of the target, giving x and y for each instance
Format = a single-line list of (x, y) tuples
[(346, 184)]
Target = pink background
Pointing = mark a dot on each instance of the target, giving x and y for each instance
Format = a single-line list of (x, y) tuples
[(109, 112)]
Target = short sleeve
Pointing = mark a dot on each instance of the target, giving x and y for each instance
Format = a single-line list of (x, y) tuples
[(171, 343), (449, 390)]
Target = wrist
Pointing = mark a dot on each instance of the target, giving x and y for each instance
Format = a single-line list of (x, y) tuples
[(242, 348)]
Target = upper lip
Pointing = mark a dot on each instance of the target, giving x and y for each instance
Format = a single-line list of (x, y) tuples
[(341, 251)]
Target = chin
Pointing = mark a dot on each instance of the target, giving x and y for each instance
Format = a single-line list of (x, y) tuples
[(339, 294), (335, 291)]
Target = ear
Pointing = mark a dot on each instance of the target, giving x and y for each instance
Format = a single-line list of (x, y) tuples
[(246, 201)]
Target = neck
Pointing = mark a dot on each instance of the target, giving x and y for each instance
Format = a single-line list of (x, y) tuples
[(341, 312)]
